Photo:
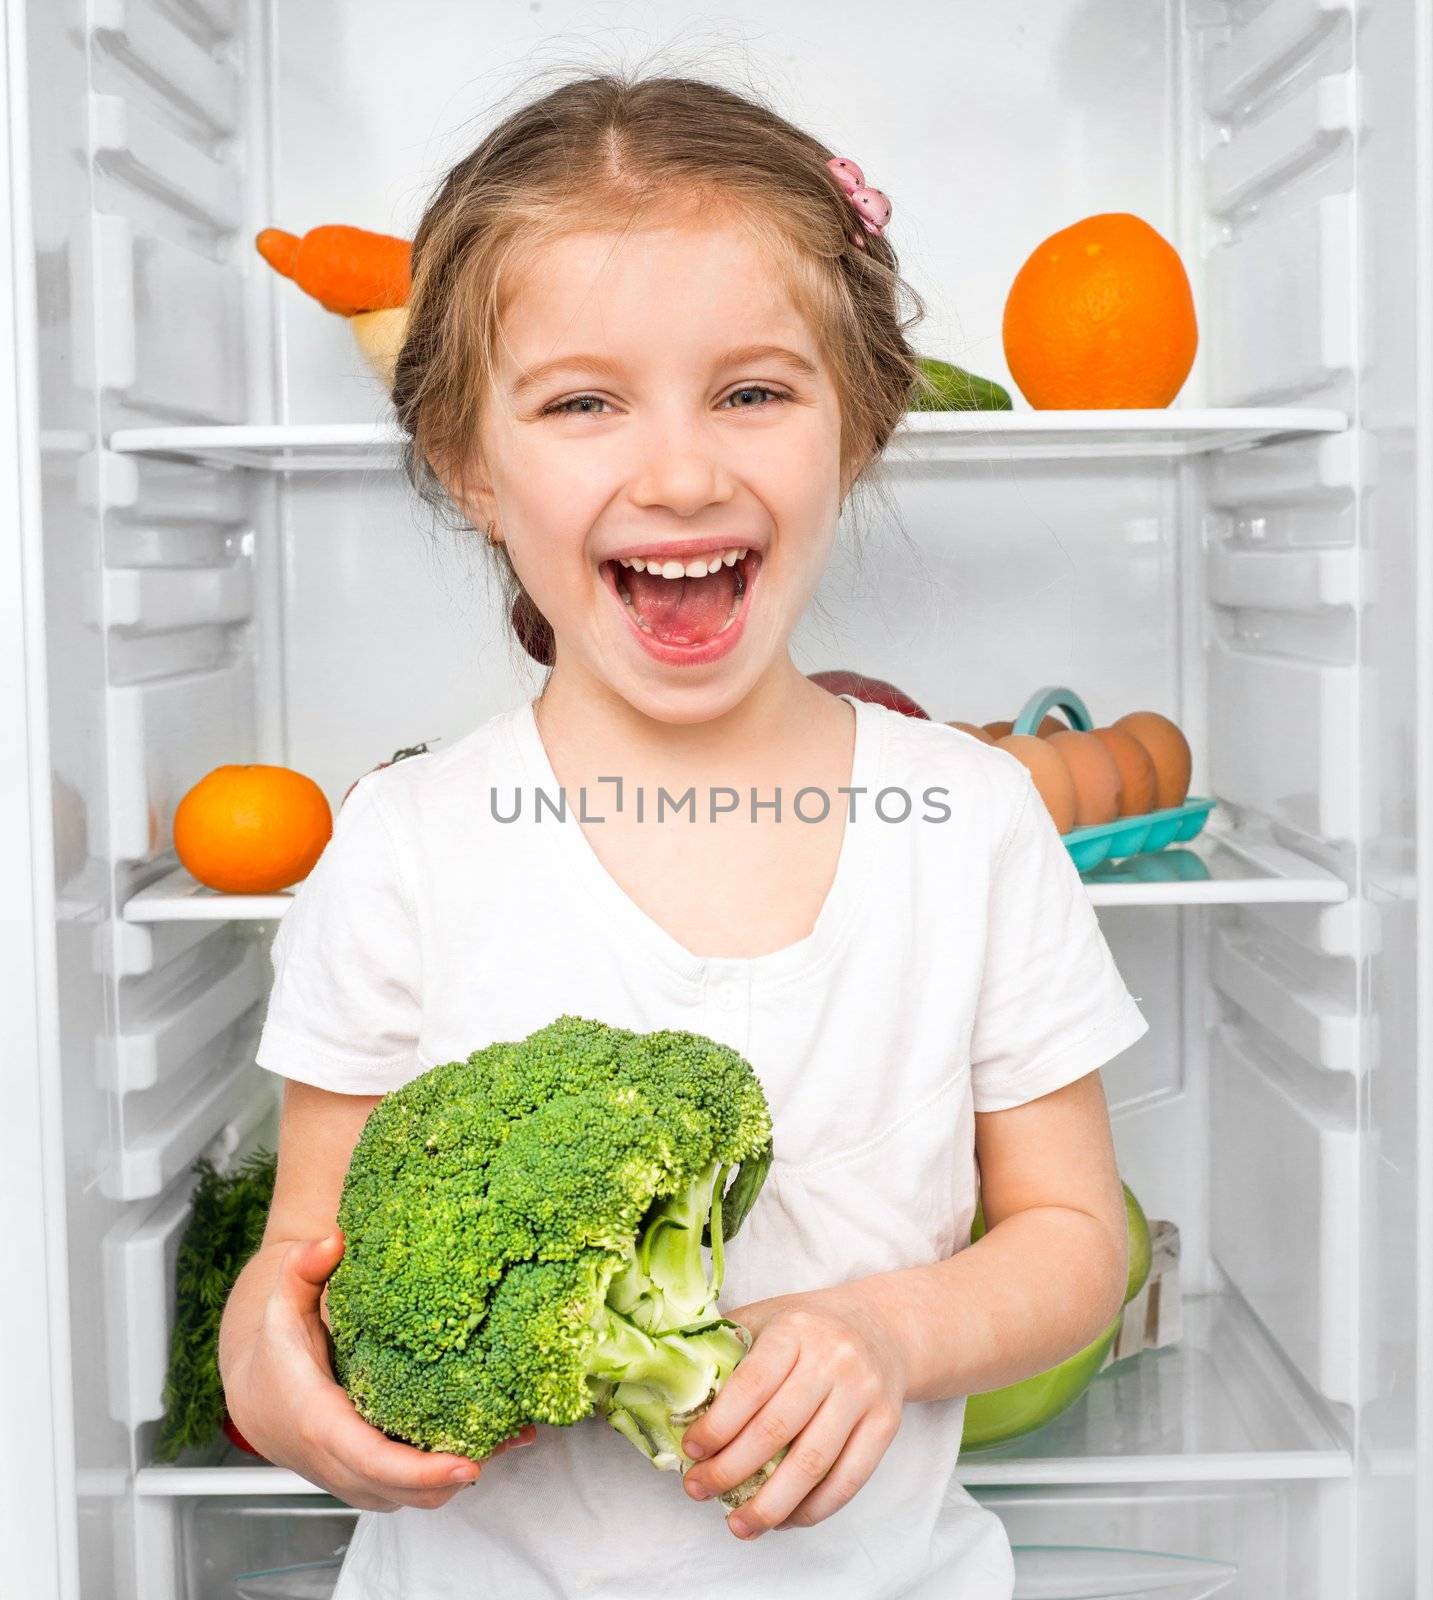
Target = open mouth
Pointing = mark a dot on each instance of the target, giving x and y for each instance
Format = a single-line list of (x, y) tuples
[(684, 604)]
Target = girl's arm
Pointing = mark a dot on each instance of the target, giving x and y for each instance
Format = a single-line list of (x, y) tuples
[(1045, 1279), (831, 1370), (273, 1345)]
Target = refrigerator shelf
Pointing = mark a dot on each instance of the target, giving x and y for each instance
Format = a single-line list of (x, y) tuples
[(1215, 869), (176, 897), (1219, 868), (1220, 1406), (924, 436)]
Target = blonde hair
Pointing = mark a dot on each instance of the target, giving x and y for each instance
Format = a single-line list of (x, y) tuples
[(607, 151)]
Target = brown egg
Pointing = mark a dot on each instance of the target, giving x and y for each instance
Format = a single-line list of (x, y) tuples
[(998, 730), (1051, 776), (1136, 770), (1097, 778), (1049, 725), (1168, 749), (970, 727)]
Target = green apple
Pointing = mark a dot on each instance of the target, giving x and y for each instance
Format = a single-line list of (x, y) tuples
[(1139, 1245), (1000, 1415)]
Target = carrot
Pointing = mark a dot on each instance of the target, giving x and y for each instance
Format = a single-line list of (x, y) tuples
[(347, 270)]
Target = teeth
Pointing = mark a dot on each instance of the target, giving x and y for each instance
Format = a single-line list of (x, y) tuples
[(699, 568)]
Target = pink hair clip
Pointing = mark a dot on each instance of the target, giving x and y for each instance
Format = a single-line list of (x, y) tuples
[(870, 205)]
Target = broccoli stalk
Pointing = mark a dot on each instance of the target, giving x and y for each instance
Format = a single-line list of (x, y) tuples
[(664, 1285), (665, 1350)]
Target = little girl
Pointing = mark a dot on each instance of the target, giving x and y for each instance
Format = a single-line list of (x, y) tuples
[(875, 910)]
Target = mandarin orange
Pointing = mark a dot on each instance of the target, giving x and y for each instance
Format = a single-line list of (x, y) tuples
[(252, 829)]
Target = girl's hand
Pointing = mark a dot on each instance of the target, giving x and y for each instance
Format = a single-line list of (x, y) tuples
[(284, 1400), (825, 1376)]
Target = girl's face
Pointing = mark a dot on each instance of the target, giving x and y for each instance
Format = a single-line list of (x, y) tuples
[(659, 401)]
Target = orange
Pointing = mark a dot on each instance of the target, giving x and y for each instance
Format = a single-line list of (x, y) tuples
[(252, 830), (1101, 317)]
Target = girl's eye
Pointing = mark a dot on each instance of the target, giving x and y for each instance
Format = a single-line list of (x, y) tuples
[(754, 388), (564, 407)]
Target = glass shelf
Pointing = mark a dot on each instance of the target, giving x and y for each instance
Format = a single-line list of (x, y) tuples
[(927, 436), (923, 436), (1216, 868), (1218, 1406)]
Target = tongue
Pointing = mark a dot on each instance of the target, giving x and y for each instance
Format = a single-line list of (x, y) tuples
[(682, 610)]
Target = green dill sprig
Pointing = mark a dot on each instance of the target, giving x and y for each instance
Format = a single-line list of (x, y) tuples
[(226, 1225)]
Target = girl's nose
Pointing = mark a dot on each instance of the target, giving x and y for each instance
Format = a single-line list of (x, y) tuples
[(683, 478)]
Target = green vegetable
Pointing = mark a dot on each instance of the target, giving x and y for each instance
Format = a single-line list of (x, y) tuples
[(226, 1224), (948, 388), (524, 1240)]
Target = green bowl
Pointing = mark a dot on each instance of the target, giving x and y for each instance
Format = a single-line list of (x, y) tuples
[(1019, 1408), (1000, 1415)]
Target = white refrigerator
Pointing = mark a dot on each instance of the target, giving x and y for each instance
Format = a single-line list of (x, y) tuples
[(209, 556)]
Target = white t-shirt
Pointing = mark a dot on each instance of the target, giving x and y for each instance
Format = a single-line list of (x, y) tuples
[(956, 966)]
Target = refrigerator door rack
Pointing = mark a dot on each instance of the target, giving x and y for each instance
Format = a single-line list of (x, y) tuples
[(923, 437)]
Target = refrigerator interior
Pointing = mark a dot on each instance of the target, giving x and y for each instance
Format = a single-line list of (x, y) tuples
[(227, 598)]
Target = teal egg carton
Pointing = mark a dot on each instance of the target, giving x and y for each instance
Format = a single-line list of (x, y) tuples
[(1127, 836)]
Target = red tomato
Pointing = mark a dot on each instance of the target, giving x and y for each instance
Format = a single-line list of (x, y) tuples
[(232, 1434)]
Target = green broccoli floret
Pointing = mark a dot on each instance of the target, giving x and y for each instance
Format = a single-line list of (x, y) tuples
[(524, 1240)]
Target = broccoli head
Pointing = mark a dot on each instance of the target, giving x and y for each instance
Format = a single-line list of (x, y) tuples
[(524, 1240)]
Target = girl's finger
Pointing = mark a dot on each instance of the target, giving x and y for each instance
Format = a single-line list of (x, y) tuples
[(525, 1435), (811, 1456), (868, 1442), (777, 1422), (306, 1268), (355, 1481), (757, 1377), (426, 1499), (429, 1499), (355, 1487)]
